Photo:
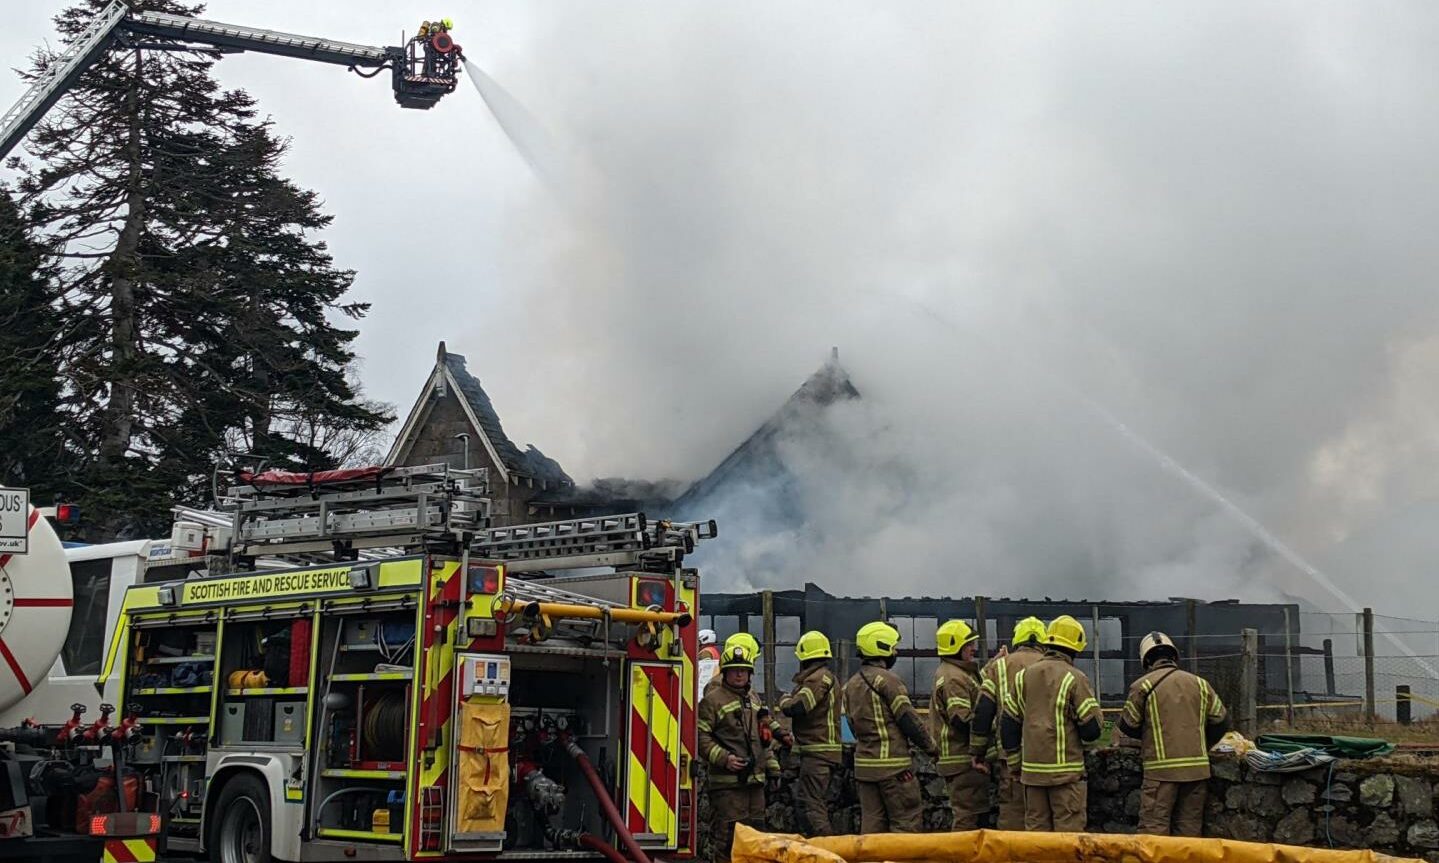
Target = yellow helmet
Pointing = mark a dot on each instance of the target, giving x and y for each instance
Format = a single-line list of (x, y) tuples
[(1027, 630), (812, 645), (952, 636), (877, 640), (1066, 632), (1156, 641), (740, 651), (448, 23)]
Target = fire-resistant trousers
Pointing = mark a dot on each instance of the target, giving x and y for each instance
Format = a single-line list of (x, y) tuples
[(728, 807), (811, 796), (891, 805), (1011, 799), (968, 798), (1056, 808), (1172, 808)]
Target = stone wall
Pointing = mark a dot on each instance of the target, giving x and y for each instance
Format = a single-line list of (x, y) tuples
[(1385, 804)]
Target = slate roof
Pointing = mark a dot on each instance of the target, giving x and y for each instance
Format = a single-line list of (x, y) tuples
[(530, 461)]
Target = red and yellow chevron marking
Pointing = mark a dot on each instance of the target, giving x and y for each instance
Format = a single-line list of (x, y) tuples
[(433, 699), (654, 733), (129, 851), (689, 733), (430, 698)]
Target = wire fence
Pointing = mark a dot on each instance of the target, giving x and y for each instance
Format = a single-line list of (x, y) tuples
[(1318, 671)]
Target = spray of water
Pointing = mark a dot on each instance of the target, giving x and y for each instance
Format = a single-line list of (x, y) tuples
[(532, 140), (1196, 483)]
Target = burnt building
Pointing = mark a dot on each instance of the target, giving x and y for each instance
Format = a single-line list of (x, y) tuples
[(1208, 634), (753, 486)]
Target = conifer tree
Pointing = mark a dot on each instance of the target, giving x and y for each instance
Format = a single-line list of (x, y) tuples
[(202, 301), (31, 423)]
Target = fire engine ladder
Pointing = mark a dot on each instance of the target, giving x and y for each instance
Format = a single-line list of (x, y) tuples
[(617, 541), (405, 507), (117, 22), (62, 72)]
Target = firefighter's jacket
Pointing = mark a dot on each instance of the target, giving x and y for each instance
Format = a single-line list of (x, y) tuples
[(1055, 712), (813, 707), (951, 710), (996, 694), (729, 723), (1177, 716), (884, 723)]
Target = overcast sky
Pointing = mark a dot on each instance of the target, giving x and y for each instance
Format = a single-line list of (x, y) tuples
[(1215, 221)]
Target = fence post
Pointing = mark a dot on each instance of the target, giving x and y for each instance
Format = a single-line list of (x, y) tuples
[(1369, 708), (767, 604), (1248, 681), (1191, 620), (1094, 626), (1288, 669), (844, 654), (1329, 666), (1402, 704), (981, 626)]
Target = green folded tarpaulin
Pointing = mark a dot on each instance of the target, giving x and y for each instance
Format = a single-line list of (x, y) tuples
[(1339, 747)]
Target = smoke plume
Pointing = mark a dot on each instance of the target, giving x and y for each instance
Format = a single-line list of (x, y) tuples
[(1215, 222)]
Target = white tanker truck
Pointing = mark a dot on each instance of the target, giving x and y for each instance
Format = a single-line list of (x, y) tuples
[(58, 610)]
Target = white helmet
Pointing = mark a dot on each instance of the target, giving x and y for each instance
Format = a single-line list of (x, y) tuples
[(707, 636), (1154, 646)]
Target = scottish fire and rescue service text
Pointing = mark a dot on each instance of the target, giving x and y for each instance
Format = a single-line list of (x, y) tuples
[(270, 585)]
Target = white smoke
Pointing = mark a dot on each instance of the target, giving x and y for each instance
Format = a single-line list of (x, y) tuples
[(1216, 223)]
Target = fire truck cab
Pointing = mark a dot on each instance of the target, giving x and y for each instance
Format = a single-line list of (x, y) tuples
[(411, 701)]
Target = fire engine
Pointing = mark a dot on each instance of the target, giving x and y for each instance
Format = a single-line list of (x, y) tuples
[(410, 684)]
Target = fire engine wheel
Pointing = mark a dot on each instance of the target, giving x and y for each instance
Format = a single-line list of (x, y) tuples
[(242, 833)]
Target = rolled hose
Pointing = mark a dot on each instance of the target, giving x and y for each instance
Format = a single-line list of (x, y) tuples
[(591, 842), (607, 805)]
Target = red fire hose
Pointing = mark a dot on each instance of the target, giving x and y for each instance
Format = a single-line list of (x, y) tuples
[(595, 843), (607, 806)]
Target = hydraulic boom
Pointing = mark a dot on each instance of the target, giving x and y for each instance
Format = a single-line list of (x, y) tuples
[(422, 71)]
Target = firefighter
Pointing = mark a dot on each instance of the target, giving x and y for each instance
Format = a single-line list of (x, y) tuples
[(738, 638), (885, 726), (730, 740), (813, 707), (996, 690), (1054, 712), (951, 709), (707, 665), (1177, 717)]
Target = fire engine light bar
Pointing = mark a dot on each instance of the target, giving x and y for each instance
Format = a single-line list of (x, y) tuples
[(362, 577), (166, 595)]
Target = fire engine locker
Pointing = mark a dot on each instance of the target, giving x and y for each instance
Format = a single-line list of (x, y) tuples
[(651, 772)]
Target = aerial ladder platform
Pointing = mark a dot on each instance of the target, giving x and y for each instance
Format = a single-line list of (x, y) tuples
[(423, 70)]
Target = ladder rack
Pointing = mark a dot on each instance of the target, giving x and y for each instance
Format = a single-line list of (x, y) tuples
[(603, 541), (393, 508)]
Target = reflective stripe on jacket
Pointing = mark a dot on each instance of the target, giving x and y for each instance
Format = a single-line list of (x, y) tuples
[(728, 724), (1052, 699), (1172, 709), (951, 708), (814, 707), (874, 701), (996, 694)]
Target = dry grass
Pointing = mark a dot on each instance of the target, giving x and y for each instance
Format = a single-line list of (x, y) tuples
[(1424, 733)]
